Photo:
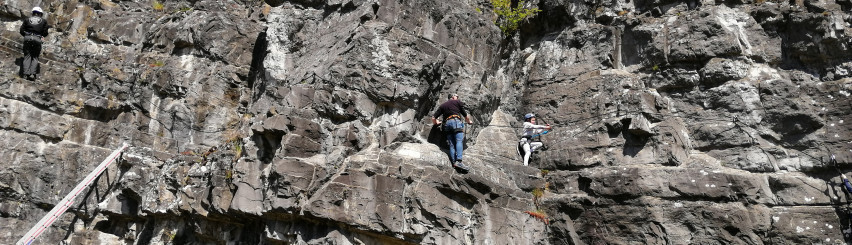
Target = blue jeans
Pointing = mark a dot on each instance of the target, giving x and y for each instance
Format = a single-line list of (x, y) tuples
[(455, 139)]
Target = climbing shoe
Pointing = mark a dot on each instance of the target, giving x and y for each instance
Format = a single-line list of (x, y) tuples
[(461, 166)]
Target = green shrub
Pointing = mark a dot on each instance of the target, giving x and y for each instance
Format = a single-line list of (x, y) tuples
[(508, 18), (537, 193), (158, 6)]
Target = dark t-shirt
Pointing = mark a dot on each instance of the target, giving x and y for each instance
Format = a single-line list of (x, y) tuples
[(449, 108)]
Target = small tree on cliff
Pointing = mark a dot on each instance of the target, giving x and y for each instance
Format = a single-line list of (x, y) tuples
[(508, 18)]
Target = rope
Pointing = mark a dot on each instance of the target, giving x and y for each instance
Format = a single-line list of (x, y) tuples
[(314, 77), (20, 45), (158, 107)]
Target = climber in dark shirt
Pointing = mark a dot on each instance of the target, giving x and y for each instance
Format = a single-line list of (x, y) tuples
[(452, 112), (34, 29)]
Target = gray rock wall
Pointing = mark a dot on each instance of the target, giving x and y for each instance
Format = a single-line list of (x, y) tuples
[(307, 122)]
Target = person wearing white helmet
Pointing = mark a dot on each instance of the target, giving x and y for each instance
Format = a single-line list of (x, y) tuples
[(526, 145), (34, 29)]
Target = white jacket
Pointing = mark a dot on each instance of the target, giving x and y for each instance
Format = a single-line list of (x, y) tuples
[(531, 129)]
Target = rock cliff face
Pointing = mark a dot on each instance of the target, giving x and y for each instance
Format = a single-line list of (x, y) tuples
[(307, 122)]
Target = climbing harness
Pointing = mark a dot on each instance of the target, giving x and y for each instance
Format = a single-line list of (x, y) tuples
[(526, 140)]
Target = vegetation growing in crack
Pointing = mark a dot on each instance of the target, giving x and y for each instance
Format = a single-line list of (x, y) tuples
[(538, 213), (157, 63), (235, 139), (537, 194), (508, 18), (157, 6), (183, 10)]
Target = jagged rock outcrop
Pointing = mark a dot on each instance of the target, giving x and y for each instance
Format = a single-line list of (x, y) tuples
[(307, 122)]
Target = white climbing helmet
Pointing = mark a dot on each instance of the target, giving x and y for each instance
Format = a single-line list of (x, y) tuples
[(38, 10)]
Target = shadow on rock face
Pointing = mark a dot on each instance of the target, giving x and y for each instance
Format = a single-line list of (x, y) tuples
[(634, 144), (268, 144), (845, 216), (20, 63), (436, 136)]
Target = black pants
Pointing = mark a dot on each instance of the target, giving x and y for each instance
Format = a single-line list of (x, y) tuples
[(32, 49)]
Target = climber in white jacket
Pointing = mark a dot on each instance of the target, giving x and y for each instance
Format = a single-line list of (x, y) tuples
[(526, 145)]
